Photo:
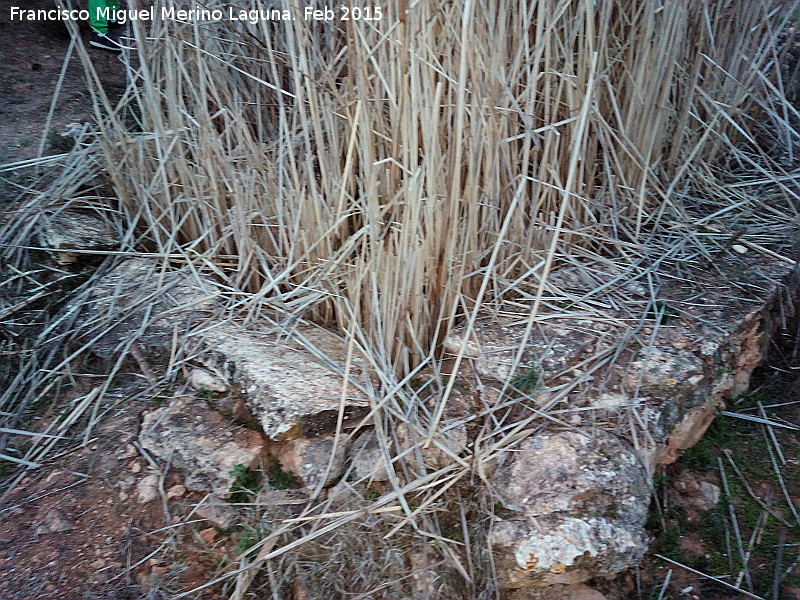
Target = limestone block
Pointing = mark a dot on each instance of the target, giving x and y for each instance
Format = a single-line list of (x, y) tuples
[(578, 505), (291, 391)]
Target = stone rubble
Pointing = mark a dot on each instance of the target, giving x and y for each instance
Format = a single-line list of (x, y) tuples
[(576, 507), (204, 445), (575, 501)]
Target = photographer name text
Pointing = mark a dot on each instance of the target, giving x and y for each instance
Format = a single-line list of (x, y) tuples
[(199, 15)]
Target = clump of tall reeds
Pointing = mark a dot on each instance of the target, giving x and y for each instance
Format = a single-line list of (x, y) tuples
[(396, 172)]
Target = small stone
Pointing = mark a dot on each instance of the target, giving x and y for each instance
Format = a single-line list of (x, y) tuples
[(739, 249), (309, 459), (123, 496), (129, 451), (209, 535), (97, 564), (711, 494), (221, 514), (176, 491), (54, 522), (200, 379), (136, 467), (147, 489)]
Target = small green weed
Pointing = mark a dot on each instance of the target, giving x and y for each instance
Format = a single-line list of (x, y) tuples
[(249, 537), (278, 478), (246, 482), (526, 381)]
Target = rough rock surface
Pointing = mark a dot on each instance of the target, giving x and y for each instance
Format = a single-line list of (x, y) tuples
[(659, 381), (308, 460), (148, 307), (200, 442), (367, 459), (670, 376), (292, 383), (68, 230), (578, 505), (291, 391)]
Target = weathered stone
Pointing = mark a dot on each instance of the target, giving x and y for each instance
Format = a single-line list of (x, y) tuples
[(578, 507), (200, 379), (450, 441), (217, 511), (147, 305), (200, 442), (291, 391), (54, 521), (694, 494), (557, 345), (367, 459), (691, 365), (68, 232), (147, 489), (292, 382), (176, 491), (308, 459), (554, 592)]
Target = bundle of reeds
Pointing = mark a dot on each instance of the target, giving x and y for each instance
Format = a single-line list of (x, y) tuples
[(399, 171)]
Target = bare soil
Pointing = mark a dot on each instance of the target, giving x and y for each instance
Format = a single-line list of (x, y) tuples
[(32, 55)]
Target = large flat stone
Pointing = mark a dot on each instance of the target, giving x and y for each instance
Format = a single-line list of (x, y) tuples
[(144, 303), (674, 374), (291, 381), (291, 391)]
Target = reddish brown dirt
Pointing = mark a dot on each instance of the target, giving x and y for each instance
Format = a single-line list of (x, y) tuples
[(105, 550)]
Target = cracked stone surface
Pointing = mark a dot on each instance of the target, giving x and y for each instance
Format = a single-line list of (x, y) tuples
[(668, 378), (577, 505), (291, 391)]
